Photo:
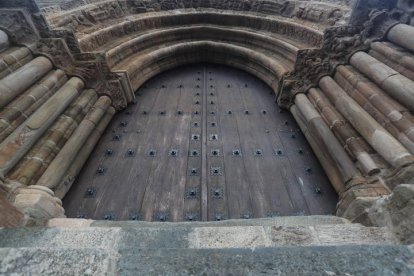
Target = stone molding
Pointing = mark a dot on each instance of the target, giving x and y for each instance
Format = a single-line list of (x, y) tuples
[(25, 26), (339, 43)]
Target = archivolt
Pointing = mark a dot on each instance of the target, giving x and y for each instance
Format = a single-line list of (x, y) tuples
[(144, 46)]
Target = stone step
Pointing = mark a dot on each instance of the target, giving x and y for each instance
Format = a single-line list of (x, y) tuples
[(271, 221), (189, 236), (313, 260)]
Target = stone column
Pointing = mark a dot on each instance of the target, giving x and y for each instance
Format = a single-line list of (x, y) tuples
[(10, 61), (35, 163), (383, 142), (22, 107), (379, 105), (17, 82), (337, 164), (396, 85), (57, 169), (403, 35), (347, 135), (24, 137), (4, 41), (74, 169)]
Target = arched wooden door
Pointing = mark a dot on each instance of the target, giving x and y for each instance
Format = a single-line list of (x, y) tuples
[(203, 142)]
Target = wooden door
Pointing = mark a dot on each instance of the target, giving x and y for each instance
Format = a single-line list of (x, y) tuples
[(203, 142)]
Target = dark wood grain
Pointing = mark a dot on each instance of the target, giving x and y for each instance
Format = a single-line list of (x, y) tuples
[(285, 179)]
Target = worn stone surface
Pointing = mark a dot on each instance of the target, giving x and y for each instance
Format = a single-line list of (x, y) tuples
[(396, 211)]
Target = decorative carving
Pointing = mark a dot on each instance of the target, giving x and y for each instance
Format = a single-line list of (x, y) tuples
[(341, 42), (362, 8), (310, 66), (380, 22), (18, 26), (57, 51)]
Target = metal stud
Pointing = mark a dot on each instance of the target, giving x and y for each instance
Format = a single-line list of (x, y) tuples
[(300, 151), (192, 217), (193, 171), (116, 137), (318, 191), (213, 124), (198, 94), (264, 112), (236, 152), (215, 152), (195, 124), (152, 153), (192, 193), (215, 171), (219, 216), (194, 153), (198, 79), (162, 216), (211, 79), (245, 85), (124, 124), (211, 94), (212, 102), (163, 113), (308, 170), (109, 152), (145, 112), (246, 215), (198, 86), (211, 86), (273, 214), (196, 112), (180, 112), (213, 137), (286, 123), (101, 170), (212, 112), (195, 137), (228, 85), (258, 152), (130, 153), (180, 86), (197, 102), (90, 193), (293, 136), (229, 112), (108, 216), (278, 152), (246, 112), (134, 216), (173, 153), (217, 193)]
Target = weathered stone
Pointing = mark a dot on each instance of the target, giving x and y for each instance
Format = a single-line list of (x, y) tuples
[(14, 84)]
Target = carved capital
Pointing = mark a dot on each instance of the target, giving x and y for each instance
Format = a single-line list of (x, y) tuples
[(57, 51), (310, 66), (380, 22)]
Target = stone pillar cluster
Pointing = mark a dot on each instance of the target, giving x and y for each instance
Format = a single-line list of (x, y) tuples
[(359, 121), (49, 123)]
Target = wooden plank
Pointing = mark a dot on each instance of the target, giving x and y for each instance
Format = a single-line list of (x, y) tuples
[(250, 185)]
